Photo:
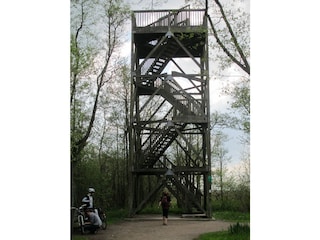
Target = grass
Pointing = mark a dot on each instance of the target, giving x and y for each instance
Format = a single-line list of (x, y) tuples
[(117, 215), (235, 232), (232, 216), (225, 235), (78, 238), (155, 210), (238, 231)]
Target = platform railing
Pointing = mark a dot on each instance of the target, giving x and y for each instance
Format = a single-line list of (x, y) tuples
[(164, 18)]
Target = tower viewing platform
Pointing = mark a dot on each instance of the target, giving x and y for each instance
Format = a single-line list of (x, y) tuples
[(183, 19), (149, 25)]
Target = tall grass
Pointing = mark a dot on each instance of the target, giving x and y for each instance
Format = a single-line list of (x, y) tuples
[(239, 229), (235, 232)]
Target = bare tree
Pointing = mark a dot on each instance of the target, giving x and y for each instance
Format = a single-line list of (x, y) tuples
[(220, 159)]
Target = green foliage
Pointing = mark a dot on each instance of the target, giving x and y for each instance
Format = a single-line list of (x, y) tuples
[(239, 229), (80, 58), (231, 190), (79, 238), (236, 198), (232, 216), (213, 236), (95, 37), (116, 215), (223, 236), (240, 93), (235, 232), (153, 209), (107, 180), (232, 33)]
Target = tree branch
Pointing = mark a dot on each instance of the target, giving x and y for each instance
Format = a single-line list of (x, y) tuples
[(75, 74), (234, 39), (245, 66)]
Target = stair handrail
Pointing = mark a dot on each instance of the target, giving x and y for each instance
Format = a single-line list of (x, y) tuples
[(171, 85), (152, 136)]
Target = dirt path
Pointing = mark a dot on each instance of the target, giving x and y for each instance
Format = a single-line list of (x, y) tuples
[(152, 228)]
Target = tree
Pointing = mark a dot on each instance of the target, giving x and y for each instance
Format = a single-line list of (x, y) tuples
[(222, 181), (119, 123), (240, 93), (243, 193), (96, 27), (232, 36), (149, 4), (230, 30), (115, 16), (228, 40)]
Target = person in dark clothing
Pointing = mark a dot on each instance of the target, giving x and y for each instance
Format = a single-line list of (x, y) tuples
[(165, 204)]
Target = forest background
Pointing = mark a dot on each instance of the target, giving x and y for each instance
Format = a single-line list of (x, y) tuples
[(35, 123)]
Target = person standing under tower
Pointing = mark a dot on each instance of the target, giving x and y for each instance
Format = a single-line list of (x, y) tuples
[(165, 204)]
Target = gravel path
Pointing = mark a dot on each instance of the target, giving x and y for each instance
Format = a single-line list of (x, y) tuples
[(152, 228)]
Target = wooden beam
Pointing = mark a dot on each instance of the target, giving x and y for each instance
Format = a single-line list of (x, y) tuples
[(186, 51), (189, 195), (151, 53), (150, 194), (176, 169)]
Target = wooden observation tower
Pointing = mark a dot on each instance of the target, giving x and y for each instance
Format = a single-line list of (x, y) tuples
[(169, 128)]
